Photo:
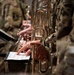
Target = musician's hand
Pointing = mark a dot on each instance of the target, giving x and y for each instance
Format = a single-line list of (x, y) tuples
[(26, 48), (27, 30)]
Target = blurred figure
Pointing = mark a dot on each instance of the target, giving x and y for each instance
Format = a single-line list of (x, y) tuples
[(27, 46)]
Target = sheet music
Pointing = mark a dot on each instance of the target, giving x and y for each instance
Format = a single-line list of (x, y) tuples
[(14, 56)]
